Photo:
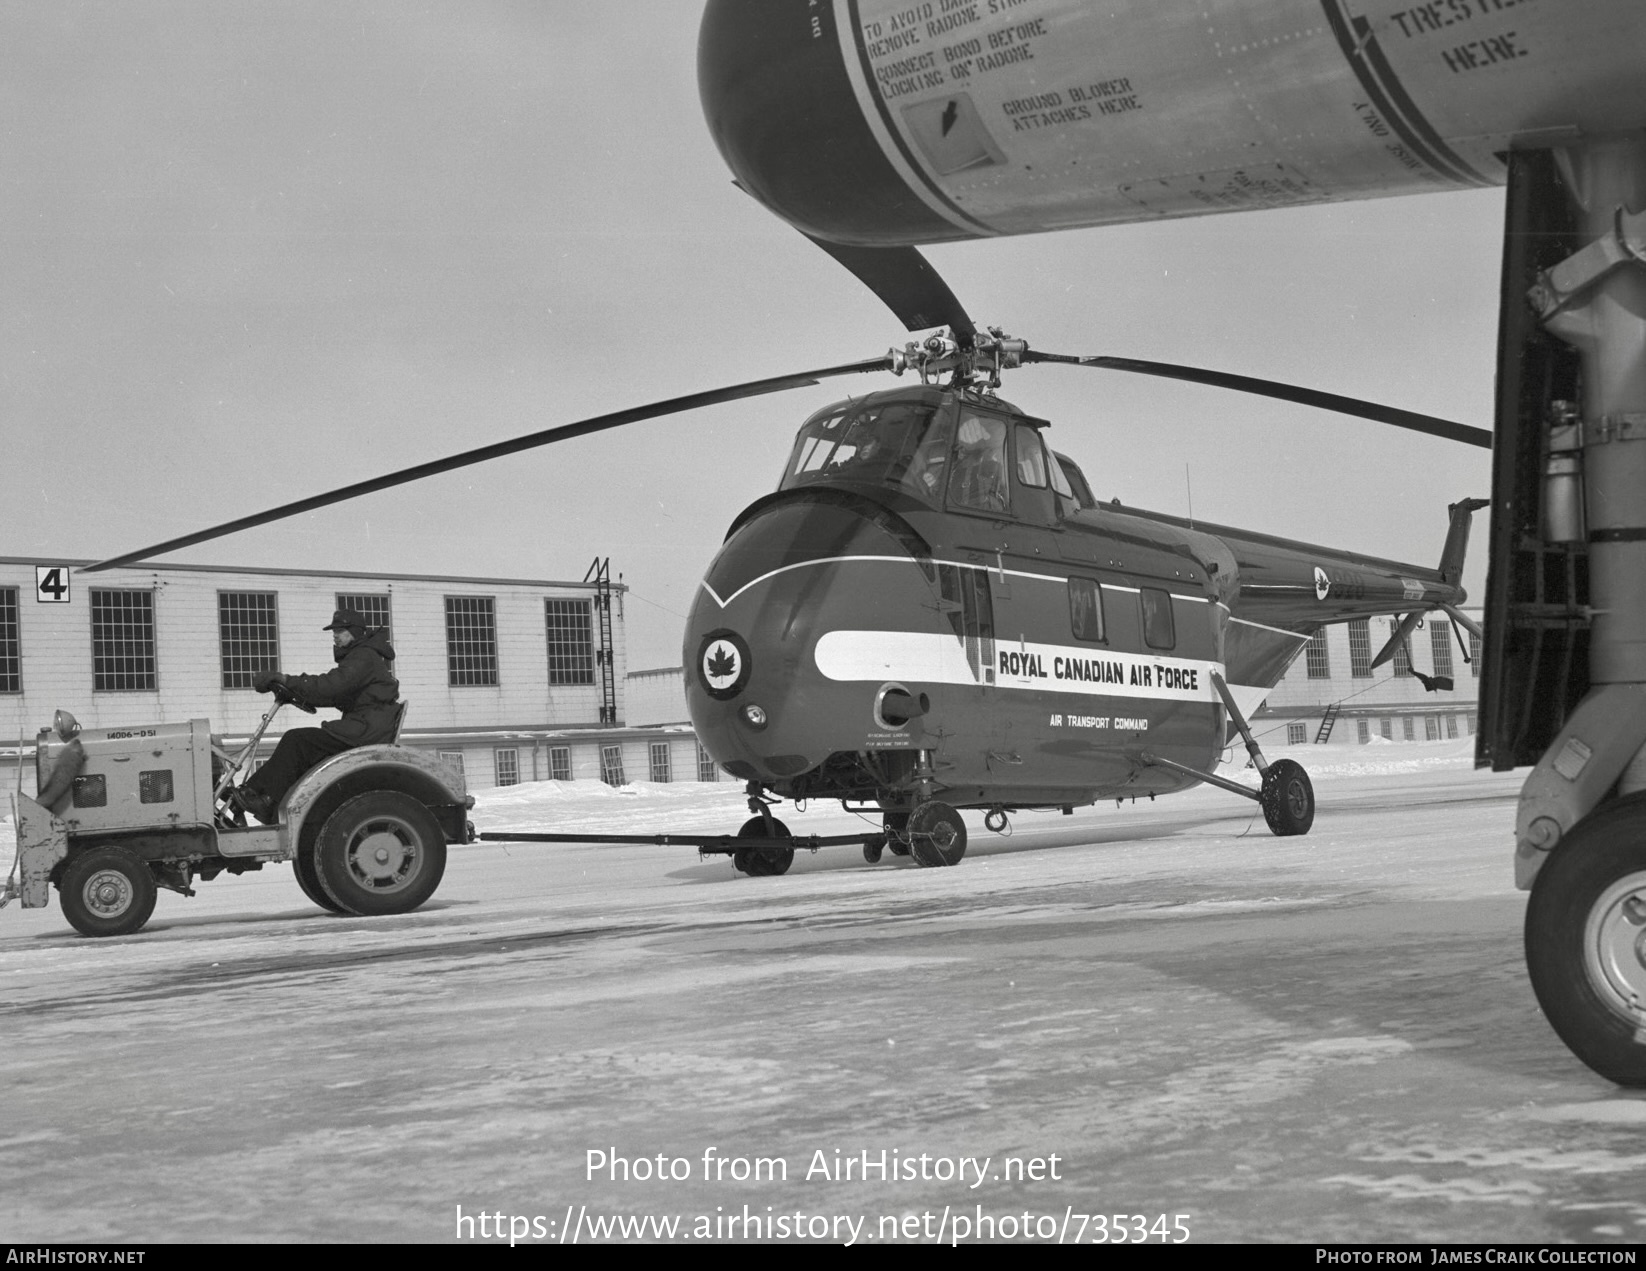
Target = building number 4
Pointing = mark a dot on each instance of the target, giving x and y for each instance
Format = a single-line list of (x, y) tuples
[(51, 584)]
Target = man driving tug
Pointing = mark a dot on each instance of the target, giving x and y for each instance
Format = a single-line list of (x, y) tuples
[(362, 686)]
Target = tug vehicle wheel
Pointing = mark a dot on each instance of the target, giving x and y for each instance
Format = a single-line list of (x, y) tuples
[(308, 878), (380, 853), (872, 849), (763, 862), (1586, 940), (106, 891), (1287, 798), (937, 835)]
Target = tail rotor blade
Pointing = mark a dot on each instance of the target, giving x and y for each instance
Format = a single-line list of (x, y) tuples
[(545, 437), (1355, 406)]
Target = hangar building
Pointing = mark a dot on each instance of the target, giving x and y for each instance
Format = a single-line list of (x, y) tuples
[(507, 679), (1332, 695)]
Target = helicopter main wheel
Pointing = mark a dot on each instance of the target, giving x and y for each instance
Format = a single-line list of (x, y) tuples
[(380, 853), (937, 835), (1287, 798), (763, 862), (1586, 940), (106, 891), (897, 832)]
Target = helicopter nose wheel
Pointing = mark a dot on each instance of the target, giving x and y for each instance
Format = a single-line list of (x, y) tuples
[(763, 862), (937, 835), (896, 825)]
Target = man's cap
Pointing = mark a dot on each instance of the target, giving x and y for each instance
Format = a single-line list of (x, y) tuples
[(344, 619)]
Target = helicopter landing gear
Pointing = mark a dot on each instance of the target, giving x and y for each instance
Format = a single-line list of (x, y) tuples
[(1586, 940), (937, 835), (1287, 798), (897, 832), (763, 861)]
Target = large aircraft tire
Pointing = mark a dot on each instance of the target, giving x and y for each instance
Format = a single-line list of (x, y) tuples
[(1586, 940)]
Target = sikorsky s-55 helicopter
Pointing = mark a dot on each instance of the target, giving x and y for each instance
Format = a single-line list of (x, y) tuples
[(933, 613)]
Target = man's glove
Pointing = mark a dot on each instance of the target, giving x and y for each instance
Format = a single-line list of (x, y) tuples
[(264, 681)]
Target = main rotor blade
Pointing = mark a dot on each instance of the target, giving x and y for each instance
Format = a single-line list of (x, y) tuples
[(907, 283), (1375, 411), (547, 436)]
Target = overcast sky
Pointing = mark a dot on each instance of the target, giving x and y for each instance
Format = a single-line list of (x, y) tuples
[(254, 251)]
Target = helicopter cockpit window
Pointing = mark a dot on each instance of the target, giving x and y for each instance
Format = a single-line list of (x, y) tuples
[(883, 443), (1031, 458), (979, 480)]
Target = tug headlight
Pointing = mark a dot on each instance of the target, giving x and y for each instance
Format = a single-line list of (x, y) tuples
[(754, 716)]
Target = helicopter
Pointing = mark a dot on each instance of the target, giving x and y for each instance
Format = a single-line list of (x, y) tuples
[(982, 612)]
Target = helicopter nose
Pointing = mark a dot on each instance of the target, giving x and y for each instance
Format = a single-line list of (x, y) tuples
[(788, 122)]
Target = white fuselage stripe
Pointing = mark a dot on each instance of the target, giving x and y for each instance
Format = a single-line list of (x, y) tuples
[(1061, 579)]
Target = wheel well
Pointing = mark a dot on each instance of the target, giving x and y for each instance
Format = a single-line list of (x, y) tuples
[(408, 781)]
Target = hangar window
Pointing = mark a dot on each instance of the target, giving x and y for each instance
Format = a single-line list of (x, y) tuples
[(374, 607), (248, 635), (560, 763), (506, 766), (1440, 645), (1403, 655), (1408, 727), (471, 641), (660, 760), (1086, 609), (1158, 630), (11, 646), (122, 641), (1297, 734), (1315, 657), (611, 765), (706, 769), (571, 641), (1474, 656), (453, 759), (1363, 731), (1360, 648)]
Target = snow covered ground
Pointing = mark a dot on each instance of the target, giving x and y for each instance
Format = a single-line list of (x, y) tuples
[(1319, 1038)]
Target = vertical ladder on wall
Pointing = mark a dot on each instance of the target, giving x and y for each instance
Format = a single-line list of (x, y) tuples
[(600, 573), (1326, 722)]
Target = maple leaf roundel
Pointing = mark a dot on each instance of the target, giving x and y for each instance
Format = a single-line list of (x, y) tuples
[(723, 664)]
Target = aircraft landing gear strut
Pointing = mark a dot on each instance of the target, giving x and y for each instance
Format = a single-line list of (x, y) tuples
[(1286, 796)]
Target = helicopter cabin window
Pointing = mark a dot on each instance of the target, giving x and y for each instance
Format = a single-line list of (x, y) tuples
[(979, 479), (1031, 458), (1067, 503), (1158, 631), (882, 443), (1075, 480), (1086, 610)]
